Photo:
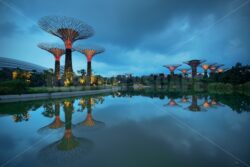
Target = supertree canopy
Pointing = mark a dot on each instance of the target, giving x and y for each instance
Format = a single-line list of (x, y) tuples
[(220, 70), (194, 64), (57, 50), (89, 52), (205, 67), (69, 30), (172, 68), (214, 67), (184, 71)]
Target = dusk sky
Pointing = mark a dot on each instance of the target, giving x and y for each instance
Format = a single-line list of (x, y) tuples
[(139, 36)]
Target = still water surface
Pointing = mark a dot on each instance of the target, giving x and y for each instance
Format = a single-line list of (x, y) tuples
[(127, 129)]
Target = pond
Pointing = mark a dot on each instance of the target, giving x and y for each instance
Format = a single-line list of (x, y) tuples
[(127, 129)]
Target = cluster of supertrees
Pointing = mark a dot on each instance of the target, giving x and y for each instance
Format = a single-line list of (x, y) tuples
[(194, 64), (69, 30)]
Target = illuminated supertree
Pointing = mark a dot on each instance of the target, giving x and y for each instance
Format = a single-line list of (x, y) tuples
[(221, 70), (194, 64), (69, 30), (89, 52), (214, 67), (184, 71), (57, 51), (205, 67), (172, 68)]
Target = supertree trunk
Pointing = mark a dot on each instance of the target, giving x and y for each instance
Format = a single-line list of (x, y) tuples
[(194, 71), (68, 65), (89, 73), (57, 70), (205, 74)]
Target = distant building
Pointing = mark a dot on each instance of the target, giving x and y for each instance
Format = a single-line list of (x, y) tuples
[(8, 63)]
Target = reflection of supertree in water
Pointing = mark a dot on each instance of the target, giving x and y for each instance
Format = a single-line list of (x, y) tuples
[(194, 64), (69, 148), (89, 120), (56, 124), (48, 110), (21, 117), (184, 99), (172, 68), (206, 104), (194, 104), (69, 30), (172, 103), (89, 52), (57, 51)]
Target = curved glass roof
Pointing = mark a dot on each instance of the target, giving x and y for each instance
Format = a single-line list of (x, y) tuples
[(13, 64)]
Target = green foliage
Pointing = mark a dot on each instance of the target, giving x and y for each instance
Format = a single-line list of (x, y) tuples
[(13, 87), (238, 74), (220, 88)]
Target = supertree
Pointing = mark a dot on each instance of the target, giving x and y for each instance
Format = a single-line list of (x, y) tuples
[(194, 64), (205, 67), (221, 70), (69, 30), (184, 71), (172, 68), (214, 67), (57, 50), (89, 52)]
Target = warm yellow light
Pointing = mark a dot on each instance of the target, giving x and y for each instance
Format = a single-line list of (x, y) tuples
[(14, 74)]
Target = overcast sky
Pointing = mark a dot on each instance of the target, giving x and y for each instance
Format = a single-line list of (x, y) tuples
[(139, 35)]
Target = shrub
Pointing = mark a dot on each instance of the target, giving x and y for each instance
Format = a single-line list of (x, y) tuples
[(13, 87)]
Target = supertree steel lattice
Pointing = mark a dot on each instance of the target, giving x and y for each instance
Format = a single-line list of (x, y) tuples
[(205, 67), (172, 68), (57, 50), (69, 30), (194, 64), (89, 52), (184, 71)]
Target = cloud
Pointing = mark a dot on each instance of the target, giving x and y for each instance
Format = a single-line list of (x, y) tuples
[(140, 36), (8, 29)]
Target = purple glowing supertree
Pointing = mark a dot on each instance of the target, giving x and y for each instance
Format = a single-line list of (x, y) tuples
[(194, 64), (69, 30), (172, 68), (89, 52), (57, 50)]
